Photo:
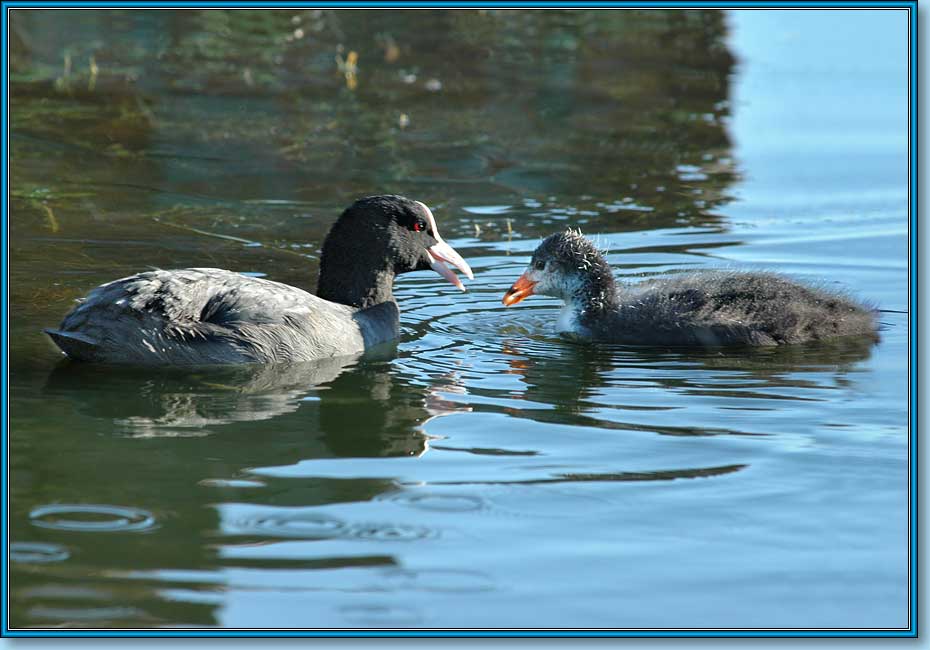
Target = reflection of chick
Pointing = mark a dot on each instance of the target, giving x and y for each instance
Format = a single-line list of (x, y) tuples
[(595, 385), (437, 405), (712, 308), (564, 380)]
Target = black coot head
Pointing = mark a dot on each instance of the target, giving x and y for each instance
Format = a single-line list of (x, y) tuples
[(392, 232), (400, 224)]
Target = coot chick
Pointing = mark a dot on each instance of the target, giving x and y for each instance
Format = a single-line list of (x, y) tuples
[(212, 316), (708, 308)]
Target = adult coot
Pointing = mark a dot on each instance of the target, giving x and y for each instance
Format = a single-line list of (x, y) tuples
[(210, 316)]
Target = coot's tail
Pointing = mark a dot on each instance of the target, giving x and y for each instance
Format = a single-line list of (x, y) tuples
[(74, 344)]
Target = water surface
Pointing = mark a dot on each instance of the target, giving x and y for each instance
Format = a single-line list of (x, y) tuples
[(483, 472)]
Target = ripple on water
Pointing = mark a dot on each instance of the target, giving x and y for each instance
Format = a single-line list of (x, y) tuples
[(487, 209), (92, 518), (386, 615), (37, 552), (318, 526), (434, 501), (502, 337), (388, 532), (437, 580), (497, 323), (301, 525)]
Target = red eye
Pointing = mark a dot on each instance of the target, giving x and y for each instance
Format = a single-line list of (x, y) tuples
[(418, 225)]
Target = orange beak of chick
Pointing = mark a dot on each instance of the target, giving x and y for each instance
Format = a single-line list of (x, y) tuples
[(522, 288)]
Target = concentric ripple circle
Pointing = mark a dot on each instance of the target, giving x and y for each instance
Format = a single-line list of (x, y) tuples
[(387, 532), (92, 518), (37, 552), (305, 525), (298, 525), (434, 501)]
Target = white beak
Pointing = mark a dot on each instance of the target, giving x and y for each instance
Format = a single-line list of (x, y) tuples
[(441, 254)]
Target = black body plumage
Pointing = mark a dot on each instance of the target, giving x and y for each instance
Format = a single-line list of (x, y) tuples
[(706, 308)]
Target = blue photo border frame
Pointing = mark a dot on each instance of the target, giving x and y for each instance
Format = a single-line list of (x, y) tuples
[(910, 631)]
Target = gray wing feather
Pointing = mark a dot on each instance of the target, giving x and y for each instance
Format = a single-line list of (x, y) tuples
[(714, 308), (206, 316)]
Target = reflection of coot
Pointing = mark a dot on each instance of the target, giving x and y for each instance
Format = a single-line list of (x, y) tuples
[(173, 403), (353, 405), (368, 413)]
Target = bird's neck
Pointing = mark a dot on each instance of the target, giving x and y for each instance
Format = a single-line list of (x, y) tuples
[(345, 281), (597, 292), (587, 299)]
